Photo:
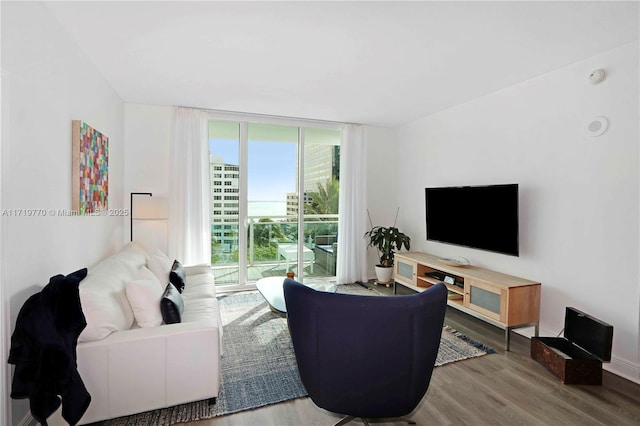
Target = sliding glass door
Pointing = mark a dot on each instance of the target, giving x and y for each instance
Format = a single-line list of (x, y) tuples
[(273, 237), (224, 179), (321, 170), (260, 225)]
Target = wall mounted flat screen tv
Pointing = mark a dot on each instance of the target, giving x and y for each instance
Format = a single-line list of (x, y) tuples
[(481, 217)]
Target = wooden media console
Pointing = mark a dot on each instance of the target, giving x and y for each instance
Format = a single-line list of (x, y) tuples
[(503, 300)]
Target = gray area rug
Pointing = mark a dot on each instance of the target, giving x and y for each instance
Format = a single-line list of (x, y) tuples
[(259, 367)]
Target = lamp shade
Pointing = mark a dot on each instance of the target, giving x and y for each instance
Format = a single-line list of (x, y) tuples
[(150, 208)]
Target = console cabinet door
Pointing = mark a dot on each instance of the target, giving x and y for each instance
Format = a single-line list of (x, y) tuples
[(486, 299), (405, 271)]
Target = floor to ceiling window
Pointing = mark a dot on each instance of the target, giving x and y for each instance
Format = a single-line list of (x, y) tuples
[(260, 224), (321, 170)]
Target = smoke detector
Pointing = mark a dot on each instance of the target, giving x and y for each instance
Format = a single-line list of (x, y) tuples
[(597, 126)]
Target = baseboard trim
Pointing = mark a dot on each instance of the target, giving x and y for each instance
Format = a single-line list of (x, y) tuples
[(624, 368), (27, 420)]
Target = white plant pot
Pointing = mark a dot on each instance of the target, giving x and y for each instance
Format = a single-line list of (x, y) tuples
[(383, 273)]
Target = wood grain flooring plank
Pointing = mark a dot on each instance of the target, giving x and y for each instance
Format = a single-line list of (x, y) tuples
[(505, 388)]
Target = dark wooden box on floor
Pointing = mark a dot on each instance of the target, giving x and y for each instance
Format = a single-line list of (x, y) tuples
[(577, 357)]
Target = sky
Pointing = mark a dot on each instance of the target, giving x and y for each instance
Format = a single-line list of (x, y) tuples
[(272, 166)]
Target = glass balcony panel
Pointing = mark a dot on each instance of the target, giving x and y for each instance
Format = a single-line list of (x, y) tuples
[(224, 169)]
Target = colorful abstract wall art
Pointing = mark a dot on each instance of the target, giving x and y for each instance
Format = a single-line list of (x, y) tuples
[(90, 169)]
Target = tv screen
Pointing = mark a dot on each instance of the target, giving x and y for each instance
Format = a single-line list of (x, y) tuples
[(481, 217)]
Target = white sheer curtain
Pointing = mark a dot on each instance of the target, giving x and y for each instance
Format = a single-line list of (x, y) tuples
[(352, 249), (189, 220)]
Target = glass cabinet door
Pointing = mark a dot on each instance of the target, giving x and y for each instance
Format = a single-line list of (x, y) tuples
[(485, 299), (405, 271)]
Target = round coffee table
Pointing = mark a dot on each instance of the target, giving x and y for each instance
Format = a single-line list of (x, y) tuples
[(271, 289)]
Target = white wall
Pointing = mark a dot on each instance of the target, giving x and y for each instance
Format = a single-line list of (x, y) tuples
[(383, 160), (148, 132), (47, 83), (579, 195)]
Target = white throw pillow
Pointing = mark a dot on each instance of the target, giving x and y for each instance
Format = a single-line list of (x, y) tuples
[(104, 302), (132, 256), (144, 294), (160, 265)]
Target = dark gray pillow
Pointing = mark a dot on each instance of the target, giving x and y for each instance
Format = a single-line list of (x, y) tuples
[(177, 277), (171, 305)]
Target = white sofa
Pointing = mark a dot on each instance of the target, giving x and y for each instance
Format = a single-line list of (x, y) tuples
[(128, 369)]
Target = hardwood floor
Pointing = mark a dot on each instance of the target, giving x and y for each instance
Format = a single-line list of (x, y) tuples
[(505, 388)]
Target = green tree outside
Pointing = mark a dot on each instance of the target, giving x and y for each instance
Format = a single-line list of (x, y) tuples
[(325, 199)]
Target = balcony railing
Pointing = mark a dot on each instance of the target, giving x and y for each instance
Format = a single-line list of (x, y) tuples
[(267, 236)]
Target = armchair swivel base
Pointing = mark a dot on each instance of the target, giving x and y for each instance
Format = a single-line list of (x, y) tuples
[(348, 419)]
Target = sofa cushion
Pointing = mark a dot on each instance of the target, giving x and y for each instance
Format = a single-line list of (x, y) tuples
[(171, 305), (199, 286), (177, 276), (160, 265), (144, 293), (200, 309)]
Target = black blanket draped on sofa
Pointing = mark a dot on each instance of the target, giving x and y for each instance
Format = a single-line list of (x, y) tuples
[(43, 349)]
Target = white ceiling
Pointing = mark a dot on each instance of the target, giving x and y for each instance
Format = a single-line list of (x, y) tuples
[(380, 63)]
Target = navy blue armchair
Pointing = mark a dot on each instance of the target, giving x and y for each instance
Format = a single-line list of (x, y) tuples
[(365, 356)]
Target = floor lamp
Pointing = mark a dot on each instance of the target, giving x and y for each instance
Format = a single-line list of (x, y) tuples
[(131, 208)]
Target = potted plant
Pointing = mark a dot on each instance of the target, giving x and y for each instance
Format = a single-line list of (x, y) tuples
[(387, 240)]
